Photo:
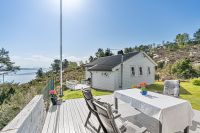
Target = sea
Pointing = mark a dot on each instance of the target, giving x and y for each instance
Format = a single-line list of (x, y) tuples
[(21, 76)]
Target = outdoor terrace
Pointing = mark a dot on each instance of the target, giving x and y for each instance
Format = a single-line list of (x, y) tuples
[(70, 116)]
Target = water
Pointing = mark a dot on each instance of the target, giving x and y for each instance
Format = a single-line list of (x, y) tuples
[(21, 76)]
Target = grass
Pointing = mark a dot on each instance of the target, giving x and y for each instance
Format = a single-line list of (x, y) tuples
[(69, 94), (188, 91)]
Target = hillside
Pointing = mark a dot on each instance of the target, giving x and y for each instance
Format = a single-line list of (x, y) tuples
[(162, 54)]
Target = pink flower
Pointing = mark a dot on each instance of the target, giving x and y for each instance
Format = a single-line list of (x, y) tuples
[(53, 92)]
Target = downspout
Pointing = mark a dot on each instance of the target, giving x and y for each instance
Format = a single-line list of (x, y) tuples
[(122, 60), (91, 77)]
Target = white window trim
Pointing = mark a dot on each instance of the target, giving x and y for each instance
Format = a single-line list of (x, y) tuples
[(135, 68), (149, 68), (139, 71)]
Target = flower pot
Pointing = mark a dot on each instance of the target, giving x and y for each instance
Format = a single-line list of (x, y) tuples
[(143, 92)]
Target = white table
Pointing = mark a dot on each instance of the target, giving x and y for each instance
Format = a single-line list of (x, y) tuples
[(173, 114)]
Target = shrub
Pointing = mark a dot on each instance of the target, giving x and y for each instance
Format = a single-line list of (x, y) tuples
[(183, 69), (196, 81)]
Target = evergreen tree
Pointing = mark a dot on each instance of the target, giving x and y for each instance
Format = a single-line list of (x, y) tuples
[(197, 36), (40, 72), (5, 63)]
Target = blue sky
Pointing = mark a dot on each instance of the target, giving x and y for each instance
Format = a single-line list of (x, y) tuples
[(29, 29)]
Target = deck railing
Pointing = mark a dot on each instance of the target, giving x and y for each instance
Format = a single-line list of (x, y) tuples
[(45, 91)]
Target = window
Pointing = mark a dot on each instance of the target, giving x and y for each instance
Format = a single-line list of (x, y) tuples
[(133, 71), (140, 69), (149, 70)]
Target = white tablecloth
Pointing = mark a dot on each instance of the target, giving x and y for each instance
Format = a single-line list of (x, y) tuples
[(173, 113)]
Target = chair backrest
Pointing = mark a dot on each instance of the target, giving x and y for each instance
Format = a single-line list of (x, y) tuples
[(106, 115), (172, 87), (88, 99)]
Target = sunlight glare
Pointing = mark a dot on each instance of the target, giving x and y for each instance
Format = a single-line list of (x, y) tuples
[(72, 4)]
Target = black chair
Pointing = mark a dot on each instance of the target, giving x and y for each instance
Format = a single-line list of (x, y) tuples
[(89, 99), (111, 123)]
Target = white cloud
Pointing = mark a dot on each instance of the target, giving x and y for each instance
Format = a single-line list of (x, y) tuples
[(42, 61)]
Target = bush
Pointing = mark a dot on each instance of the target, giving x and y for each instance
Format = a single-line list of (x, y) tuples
[(196, 81), (183, 69)]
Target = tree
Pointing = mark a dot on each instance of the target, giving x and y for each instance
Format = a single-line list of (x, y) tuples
[(40, 73), (197, 35), (121, 52), (65, 63), (91, 59), (183, 69), (108, 52), (182, 39), (56, 65), (100, 53), (5, 62), (81, 63), (128, 50), (72, 64)]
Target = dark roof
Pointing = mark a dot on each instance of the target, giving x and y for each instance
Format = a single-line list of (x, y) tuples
[(109, 62)]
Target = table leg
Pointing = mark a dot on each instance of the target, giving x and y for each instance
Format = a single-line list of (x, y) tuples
[(186, 130), (116, 104), (160, 127)]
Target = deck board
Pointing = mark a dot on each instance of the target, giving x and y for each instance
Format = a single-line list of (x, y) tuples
[(70, 117)]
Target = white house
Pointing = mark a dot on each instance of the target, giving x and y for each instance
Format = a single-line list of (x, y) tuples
[(106, 72)]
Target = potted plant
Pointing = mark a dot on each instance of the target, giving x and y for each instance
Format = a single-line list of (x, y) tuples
[(143, 88), (143, 91), (53, 96)]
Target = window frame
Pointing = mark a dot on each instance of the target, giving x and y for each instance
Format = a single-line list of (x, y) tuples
[(140, 72), (148, 70), (133, 68)]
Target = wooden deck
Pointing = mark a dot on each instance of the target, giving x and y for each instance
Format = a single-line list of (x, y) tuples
[(70, 116)]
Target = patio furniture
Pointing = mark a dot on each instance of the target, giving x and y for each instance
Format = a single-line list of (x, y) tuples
[(92, 109), (111, 123), (172, 113), (172, 87)]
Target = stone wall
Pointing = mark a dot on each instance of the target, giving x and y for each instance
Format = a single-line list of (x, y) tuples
[(30, 119)]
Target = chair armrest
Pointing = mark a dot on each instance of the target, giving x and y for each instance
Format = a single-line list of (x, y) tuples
[(117, 116), (115, 111), (98, 99)]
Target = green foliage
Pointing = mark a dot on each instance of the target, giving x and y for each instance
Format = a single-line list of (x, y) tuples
[(188, 91), (197, 35), (182, 39), (69, 94), (100, 53), (65, 63), (108, 52), (56, 65), (157, 77), (183, 69), (13, 97), (91, 59), (161, 64), (143, 89), (5, 62), (195, 81), (39, 73)]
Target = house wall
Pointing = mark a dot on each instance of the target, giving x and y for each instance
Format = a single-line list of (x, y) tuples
[(137, 61), (103, 80)]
